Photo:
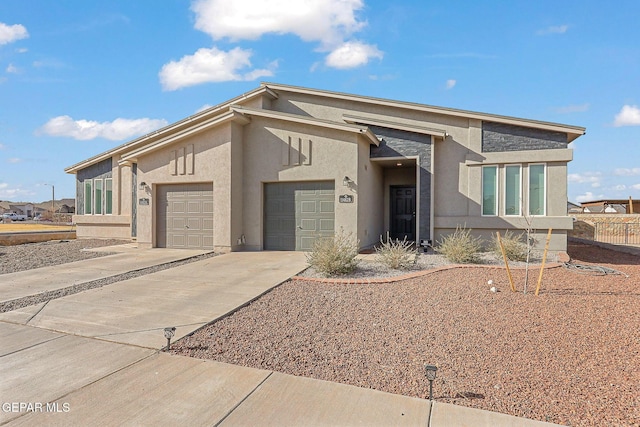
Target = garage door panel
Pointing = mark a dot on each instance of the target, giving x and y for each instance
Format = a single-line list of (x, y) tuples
[(185, 216), (327, 206), (308, 206), (327, 225), (297, 213)]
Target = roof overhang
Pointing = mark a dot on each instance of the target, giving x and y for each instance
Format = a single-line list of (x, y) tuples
[(178, 126), (572, 132), (309, 121), (394, 125), (174, 137)]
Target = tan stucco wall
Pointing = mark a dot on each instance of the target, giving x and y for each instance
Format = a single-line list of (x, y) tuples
[(334, 155), (102, 226), (211, 152)]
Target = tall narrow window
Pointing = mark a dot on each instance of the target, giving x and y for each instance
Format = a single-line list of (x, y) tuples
[(489, 190), (512, 190), (108, 196), (537, 190), (97, 197), (88, 196)]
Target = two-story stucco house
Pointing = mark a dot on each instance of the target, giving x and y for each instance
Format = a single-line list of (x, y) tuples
[(277, 167)]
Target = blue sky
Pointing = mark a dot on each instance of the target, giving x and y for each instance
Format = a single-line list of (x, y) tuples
[(79, 77)]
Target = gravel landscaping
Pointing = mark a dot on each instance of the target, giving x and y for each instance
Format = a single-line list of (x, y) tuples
[(35, 255), (569, 356)]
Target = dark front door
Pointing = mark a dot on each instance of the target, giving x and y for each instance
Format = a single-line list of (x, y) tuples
[(403, 212)]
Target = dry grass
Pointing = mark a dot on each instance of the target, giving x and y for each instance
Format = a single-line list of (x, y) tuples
[(16, 227)]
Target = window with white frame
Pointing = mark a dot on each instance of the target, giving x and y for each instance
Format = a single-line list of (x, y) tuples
[(537, 189), (489, 190), (98, 196), (108, 196), (512, 190), (505, 195), (88, 196)]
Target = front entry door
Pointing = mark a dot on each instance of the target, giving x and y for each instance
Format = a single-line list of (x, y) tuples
[(403, 212)]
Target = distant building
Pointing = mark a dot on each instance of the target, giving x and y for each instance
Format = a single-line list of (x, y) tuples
[(613, 206), (22, 209)]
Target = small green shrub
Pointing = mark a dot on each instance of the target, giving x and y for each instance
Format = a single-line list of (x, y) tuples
[(514, 246), (460, 247), (334, 255), (395, 253)]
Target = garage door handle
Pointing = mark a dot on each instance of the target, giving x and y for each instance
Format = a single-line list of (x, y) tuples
[(300, 227), (186, 226)]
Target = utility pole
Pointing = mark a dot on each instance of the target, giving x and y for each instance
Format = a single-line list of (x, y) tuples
[(53, 198)]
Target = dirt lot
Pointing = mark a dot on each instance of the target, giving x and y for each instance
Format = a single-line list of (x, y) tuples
[(568, 356), (17, 227)]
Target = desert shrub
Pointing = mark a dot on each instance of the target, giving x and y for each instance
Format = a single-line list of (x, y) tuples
[(334, 255), (514, 246), (460, 247), (395, 253)]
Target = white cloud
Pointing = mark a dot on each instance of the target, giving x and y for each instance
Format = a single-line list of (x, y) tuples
[(204, 107), (14, 160), (450, 84), (593, 178), (85, 129), (619, 187), (11, 33), (210, 65), (327, 21), (12, 69), (352, 54), (635, 186), (579, 108), (629, 115), (8, 193), (2, 146), (626, 171), (554, 29), (588, 196), (22, 50)]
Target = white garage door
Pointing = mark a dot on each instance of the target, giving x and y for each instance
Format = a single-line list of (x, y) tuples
[(185, 216)]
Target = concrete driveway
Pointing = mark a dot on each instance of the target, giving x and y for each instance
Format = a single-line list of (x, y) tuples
[(92, 359), (136, 311)]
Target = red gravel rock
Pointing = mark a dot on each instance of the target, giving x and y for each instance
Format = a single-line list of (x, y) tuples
[(569, 356)]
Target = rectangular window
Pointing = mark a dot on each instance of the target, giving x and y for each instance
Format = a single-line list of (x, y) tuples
[(88, 196), (97, 197), (537, 190), (489, 190), (108, 196), (512, 190)]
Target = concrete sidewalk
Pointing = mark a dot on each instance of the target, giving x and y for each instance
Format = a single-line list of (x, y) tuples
[(92, 359)]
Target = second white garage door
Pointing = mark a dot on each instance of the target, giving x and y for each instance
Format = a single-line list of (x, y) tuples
[(184, 216)]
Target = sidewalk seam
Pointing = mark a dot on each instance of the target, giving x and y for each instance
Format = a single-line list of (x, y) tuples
[(243, 400)]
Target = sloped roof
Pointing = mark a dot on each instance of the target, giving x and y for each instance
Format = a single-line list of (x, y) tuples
[(212, 115)]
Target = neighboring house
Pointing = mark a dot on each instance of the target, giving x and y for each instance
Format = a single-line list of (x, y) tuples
[(622, 206), (280, 166), (22, 209), (573, 208)]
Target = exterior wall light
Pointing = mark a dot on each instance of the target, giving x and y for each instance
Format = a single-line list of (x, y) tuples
[(168, 334), (346, 181), (143, 185), (431, 375)]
